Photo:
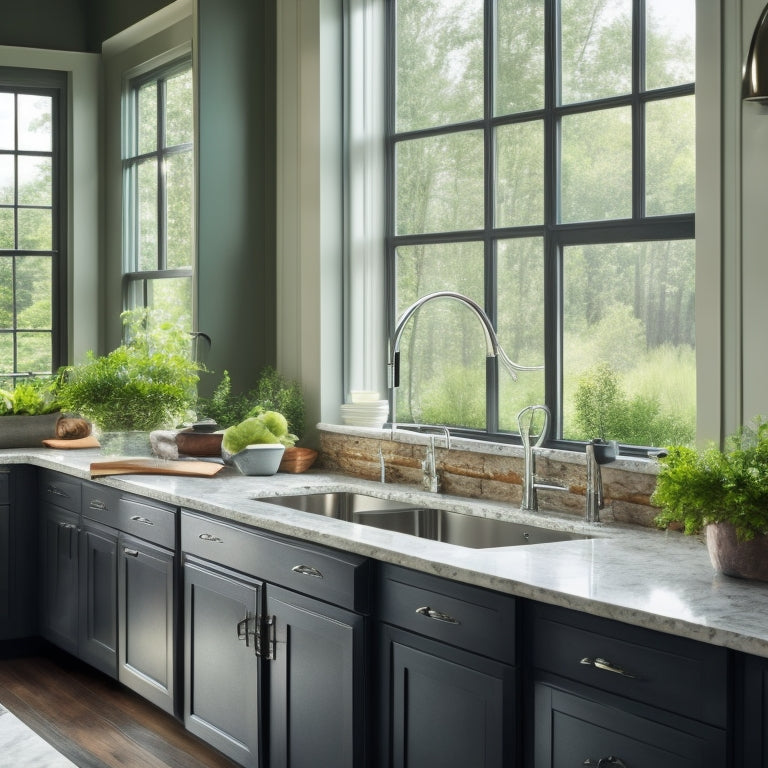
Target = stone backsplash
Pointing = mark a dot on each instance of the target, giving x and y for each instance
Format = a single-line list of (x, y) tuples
[(492, 471)]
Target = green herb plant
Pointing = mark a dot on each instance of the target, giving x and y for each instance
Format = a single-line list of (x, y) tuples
[(697, 487), (146, 383), (30, 398), (273, 392)]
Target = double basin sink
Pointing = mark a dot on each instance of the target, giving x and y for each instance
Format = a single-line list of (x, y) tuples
[(465, 530)]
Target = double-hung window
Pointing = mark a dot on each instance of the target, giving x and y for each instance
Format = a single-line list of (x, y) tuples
[(541, 162), (158, 191), (32, 233)]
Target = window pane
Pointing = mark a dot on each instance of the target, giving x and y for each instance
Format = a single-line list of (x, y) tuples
[(439, 62), (147, 118), (596, 165), (34, 351), (6, 295), (173, 295), (596, 39), (147, 214), (34, 288), (7, 180), (35, 122), (178, 123), (670, 156), (519, 76), (179, 212), (7, 229), (629, 343), (7, 121), (519, 174), (442, 350), (7, 363), (35, 229), (520, 280), (670, 43), (34, 180), (440, 183)]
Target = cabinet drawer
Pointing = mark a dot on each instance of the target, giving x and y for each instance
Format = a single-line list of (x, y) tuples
[(577, 730), (150, 521), (62, 490), (5, 486), (670, 672), (100, 503), (465, 616), (336, 577)]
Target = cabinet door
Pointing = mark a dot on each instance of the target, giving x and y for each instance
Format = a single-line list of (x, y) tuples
[(5, 564), (443, 707), (576, 730), (221, 669), (146, 620), (59, 557), (98, 598), (317, 706), (751, 718)]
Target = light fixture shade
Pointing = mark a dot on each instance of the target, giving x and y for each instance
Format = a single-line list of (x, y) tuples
[(754, 85)]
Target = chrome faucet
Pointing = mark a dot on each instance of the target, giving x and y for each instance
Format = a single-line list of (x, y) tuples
[(492, 346), (604, 454), (431, 479), (526, 421)]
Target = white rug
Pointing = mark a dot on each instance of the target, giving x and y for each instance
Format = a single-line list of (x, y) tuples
[(21, 747)]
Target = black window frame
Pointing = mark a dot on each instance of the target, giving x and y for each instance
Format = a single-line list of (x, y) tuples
[(555, 234), (53, 84)]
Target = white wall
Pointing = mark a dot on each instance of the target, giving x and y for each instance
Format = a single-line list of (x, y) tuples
[(83, 185)]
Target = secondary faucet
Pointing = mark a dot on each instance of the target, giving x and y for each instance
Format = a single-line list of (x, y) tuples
[(526, 420), (431, 479), (597, 453)]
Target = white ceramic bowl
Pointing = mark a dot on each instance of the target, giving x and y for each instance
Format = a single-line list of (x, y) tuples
[(261, 459)]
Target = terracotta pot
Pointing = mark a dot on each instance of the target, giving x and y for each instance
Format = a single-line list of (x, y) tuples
[(743, 559)]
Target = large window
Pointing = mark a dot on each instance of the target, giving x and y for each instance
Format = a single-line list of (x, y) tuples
[(158, 184), (32, 245), (541, 162)]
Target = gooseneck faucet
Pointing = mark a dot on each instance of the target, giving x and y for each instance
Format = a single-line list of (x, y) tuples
[(526, 422), (492, 346)]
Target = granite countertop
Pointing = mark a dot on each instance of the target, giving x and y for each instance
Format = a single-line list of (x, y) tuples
[(663, 581)]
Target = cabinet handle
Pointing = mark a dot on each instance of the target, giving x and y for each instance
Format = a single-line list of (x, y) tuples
[(140, 519), (431, 613), (131, 552), (606, 666), (97, 504), (210, 537), (604, 761), (54, 491), (307, 570)]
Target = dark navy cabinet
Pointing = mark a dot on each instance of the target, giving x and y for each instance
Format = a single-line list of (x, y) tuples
[(291, 664), (609, 694), (751, 712), (448, 681)]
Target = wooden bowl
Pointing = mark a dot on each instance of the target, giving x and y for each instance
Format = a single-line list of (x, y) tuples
[(297, 460)]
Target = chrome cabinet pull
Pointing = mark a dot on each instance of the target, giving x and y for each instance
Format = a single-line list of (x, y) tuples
[(97, 504), (307, 570), (140, 519), (431, 613), (210, 537), (54, 491), (605, 761), (131, 552), (606, 666)]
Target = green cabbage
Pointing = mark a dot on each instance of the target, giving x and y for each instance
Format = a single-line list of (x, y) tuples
[(267, 427)]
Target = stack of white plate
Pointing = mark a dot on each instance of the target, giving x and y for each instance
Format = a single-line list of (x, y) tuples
[(365, 410)]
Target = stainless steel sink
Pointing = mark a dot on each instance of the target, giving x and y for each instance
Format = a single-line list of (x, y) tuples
[(424, 522)]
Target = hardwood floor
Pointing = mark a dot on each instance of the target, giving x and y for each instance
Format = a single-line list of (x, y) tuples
[(94, 721)]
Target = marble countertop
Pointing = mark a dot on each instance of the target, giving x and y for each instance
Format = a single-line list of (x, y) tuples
[(663, 581)]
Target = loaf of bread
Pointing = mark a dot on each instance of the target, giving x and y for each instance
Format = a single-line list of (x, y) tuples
[(71, 428)]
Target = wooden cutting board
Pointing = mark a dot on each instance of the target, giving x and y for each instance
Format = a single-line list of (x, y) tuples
[(150, 466)]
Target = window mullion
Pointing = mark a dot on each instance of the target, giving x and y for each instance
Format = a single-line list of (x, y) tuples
[(162, 228)]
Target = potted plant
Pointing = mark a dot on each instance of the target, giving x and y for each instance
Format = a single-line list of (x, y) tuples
[(28, 413), (725, 492), (146, 383)]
